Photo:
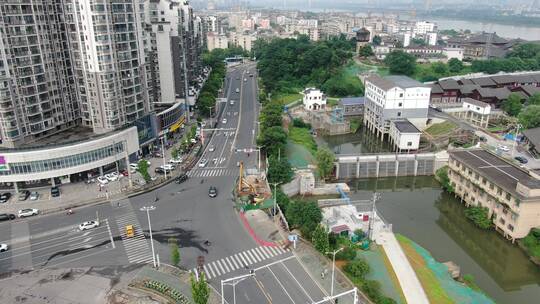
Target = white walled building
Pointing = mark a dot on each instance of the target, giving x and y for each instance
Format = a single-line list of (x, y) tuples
[(431, 38), (453, 53), (216, 41), (394, 98), (314, 99), (424, 27), (404, 135), (244, 41)]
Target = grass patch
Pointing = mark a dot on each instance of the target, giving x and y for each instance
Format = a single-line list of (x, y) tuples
[(442, 128), (286, 98), (332, 101), (355, 123), (303, 137), (532, 243), (496, 129), (432, 287)]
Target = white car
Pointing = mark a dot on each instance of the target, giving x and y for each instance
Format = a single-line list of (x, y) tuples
[(88, 225), (28, 212), (34, 196), (203, 163), (113, 176), (178, 160), (168, 167), (503, 148), (231, 102), (133, 167), (102, 180), (3, 247), (224, 121), (212, 149)]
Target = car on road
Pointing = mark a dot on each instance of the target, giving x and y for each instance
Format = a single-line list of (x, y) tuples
[(503, 148), (182, 178), (203, 163), (102, 180), (157, 153), (521, 159), (224, 121), (23, 195), (212, 192), (193, 141), (177, 160), (211, 148), (34, 195), (163, 169), (245, 79), (55, 192), (215, 160), (88, 225), (113, 176), (238, 90), (4, 197), (28, 212), (3, 247), (231, 102), (6, 217), (133, 167), (250, 75)]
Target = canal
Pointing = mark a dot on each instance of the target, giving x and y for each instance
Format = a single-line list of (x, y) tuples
[(419, 209), (355, 143)]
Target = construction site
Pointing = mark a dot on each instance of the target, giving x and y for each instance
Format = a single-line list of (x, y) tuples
[(252, 190)]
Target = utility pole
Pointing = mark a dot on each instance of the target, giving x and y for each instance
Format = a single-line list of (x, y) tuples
[(333, 268), (275, 197), (148, 209)]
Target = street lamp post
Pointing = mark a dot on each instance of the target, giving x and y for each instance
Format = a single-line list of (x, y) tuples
[(333, 268), (233, 283), (148, 209)]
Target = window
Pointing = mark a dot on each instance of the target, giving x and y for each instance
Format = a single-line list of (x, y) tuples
[(400, 94), (409, 143), (510, 227), (398, 114), (508, 196), (400, 104), (501, 220)]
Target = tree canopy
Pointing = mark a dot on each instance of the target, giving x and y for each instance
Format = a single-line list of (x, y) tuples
[(530, 117), (400, 62), (366, 51), (512, 105), (305, 216), (279, 170), (325, 162), (273, 140), (455, 65)]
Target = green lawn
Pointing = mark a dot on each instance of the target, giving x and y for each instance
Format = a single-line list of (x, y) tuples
[(285, 99), (303, 137), (332, 101), (442, 128)]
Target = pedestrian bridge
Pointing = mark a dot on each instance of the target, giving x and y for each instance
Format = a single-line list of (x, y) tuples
[(389, 164)]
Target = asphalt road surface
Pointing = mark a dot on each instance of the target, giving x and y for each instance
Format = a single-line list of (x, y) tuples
[(183, 212)]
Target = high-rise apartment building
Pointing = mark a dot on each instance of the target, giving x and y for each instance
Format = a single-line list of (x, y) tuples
[(107, 42), (38, 90)]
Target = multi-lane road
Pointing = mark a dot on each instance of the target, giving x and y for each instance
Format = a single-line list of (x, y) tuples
[(183, 212)]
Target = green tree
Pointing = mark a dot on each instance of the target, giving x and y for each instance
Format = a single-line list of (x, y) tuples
[(175, 153), (377, 40), (440, 68), (320, 239), (525, 50), (325, 162), (530, 117), (479, 216), (534, 99), (273, 140), (357, 268), (512, 105), (175, 251), (279, 170), (199, 289), (442, 175), (400, 62), (365, 51), (271, 115), (142, 167), (347, 254), (418, 41), (455, 65), (304, 215)]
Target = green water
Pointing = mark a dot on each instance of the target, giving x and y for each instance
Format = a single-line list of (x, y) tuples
[(360, 142), (420, 210)]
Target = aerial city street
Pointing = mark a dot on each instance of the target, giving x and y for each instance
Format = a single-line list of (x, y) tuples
[(302, 151)]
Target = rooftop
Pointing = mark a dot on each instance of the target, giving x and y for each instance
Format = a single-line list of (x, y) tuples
[(495, 169), (390, 82), (475, 102), (483, 81), (349, 101), (405, 126), (449, 84), (75, 134), (499, 93), (533, 135)]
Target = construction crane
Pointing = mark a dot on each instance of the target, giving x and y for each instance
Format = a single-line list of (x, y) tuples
[(244, 187)]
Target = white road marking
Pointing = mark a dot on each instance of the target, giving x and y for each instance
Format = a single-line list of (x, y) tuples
[(300, 285), (279, 282), (207, 272)]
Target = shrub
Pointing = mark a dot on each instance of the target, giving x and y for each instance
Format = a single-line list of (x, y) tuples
[(347, 254), (479, 215), (357, 268)]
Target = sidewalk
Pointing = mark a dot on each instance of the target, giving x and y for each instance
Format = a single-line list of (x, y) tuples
[(261, 228), (412, 289)]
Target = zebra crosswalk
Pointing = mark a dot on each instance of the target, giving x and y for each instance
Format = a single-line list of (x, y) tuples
[(212, 172), (137, 248), (240, 260)]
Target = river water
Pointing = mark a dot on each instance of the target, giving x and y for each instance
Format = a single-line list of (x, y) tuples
[(503, 30), (419, 209)]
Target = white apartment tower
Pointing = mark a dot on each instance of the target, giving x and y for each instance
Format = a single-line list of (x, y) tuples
[(38, 93), (107, 41)]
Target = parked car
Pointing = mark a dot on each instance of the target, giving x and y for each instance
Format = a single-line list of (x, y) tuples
[(4, 197), (521, 159), (113, 176), (169, 167), (55, 192), (245, 79), (212, 192), (177, 160), (157, 154), (28, 212), (88, 225), (483, 139), (237, 89), (503, 148), (6, 217), (203, 163), (34, 195), (211, 148), (124, 173), (3, 247), (159, 170), (133, 167), (182, 178), (102, 180), (231, 102), (23, 195), (250, 75), (224, 121)]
